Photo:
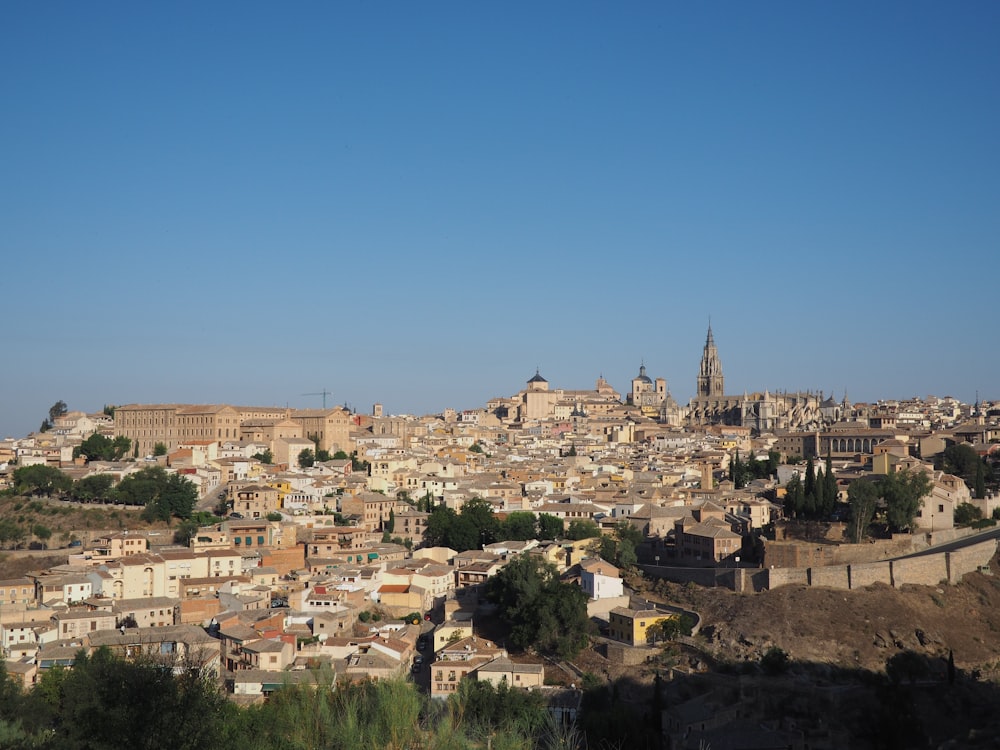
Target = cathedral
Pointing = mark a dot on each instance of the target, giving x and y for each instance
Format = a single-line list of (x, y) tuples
[(762, 412)]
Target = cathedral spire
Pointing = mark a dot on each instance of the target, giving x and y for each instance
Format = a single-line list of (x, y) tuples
[(710, 380)]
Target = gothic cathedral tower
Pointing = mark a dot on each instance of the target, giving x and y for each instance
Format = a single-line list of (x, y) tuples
[(710, 380)]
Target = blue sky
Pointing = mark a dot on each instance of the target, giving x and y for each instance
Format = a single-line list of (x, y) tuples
[(419, 203)]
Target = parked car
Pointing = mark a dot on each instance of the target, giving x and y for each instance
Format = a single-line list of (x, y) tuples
[(236, 515)]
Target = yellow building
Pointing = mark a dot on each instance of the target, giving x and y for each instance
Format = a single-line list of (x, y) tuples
[(631, 626)]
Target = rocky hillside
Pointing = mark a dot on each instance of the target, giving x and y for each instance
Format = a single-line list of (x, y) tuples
[(852, 628)]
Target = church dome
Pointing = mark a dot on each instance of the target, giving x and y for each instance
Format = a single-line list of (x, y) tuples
[(538, 378), (642, 377)]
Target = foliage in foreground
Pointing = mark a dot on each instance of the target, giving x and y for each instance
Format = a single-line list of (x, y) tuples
[(105, 703)]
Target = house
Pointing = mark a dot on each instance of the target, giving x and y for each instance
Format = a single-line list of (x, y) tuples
[(458, 661), (631, 626), (600, 579), (503, 670)]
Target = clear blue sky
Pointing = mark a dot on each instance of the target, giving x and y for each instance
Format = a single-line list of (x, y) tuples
[(419, 203)]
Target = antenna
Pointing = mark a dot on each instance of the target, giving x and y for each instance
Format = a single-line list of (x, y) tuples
[(324, 393)]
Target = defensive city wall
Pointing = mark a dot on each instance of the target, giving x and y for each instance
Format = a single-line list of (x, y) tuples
[(928, 569)]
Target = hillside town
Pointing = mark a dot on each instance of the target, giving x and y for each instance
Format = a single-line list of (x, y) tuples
[(319, 544)]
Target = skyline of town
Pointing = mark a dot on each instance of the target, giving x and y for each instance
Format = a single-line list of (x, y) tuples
[(419, 207)]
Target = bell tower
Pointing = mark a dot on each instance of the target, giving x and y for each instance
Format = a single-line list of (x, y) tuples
[(710, 380)]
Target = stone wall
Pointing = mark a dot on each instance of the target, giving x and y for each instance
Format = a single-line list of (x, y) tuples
[(927, 570), (804, 554), (629, 656), (867, 574)]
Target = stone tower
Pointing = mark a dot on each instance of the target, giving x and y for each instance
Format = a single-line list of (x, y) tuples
[(710, 380)]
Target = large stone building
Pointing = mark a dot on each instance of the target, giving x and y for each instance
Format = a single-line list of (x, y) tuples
[(173, 424), (762, 412)]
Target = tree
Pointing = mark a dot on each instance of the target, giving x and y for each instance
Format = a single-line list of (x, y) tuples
[(41, 532), (810, 478), (160, 449), (794, 497), (306, 458), (40, 479), (161, 710), (390, 525), (520, 525), (904, 493), (58, 409), (323, 455), (476, 448), (831, 491), (549, 526), (265, 457), (163, 495), (439, 526), (961, 460), (93, 488), (542, 611), (979, 483), (582, 528), (99, 447), (907, 665), (774, 661), (11, 534), (821, 509), (967, 514), (862, 496)]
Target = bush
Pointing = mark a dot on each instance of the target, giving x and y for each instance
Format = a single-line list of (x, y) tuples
[(774, 662)]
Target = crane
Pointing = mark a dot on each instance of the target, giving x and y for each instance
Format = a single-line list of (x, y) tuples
[(324, 393)]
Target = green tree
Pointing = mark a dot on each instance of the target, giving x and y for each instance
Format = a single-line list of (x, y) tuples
[(58, 409), (549, 526), (41, 532), (96, 487), (265, 457), (162, 494), (795, 497), (961, 460), (40, 479), (159, 449), (582, 528), (11, 534), (520, 525), (810, 477), (541, 611), (967, 514), (774, 661), (439, 526), (979, 483), (831, 491), (161, 710), (904, 493), (99, 447), (862, 497), (323, 455), (907, 665), (476, 448), (390, 525), (306, 458)]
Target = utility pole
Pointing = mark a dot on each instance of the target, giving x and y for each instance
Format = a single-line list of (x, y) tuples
[(324, 393)]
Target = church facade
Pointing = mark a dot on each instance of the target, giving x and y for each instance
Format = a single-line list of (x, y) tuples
[(761, 412)]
